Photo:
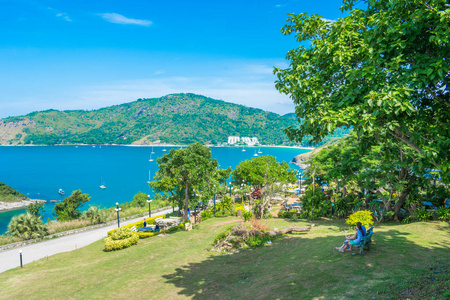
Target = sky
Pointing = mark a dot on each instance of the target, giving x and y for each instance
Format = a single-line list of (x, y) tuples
[(91, 54)]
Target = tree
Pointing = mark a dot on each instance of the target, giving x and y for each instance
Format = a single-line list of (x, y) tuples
[(139, 200), (264, 173), (383, 71), (36, 209), (183, 170), (27, 226), (69, 208)]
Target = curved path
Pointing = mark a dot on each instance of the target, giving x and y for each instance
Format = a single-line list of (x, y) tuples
[(10, 259)]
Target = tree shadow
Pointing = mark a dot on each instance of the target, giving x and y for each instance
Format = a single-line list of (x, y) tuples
[(304, 266)]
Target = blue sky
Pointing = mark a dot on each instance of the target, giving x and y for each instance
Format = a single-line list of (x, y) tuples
[(91, 54)]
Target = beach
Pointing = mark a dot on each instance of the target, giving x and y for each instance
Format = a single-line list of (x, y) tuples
[(7, 206)]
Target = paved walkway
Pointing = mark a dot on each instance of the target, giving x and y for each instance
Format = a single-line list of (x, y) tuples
[(10, 259)]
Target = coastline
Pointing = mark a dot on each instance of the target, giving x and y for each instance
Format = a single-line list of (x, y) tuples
[(163, 145), (8, 206)]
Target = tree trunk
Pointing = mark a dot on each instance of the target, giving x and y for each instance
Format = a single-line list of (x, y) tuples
[(400, 202), (186, 200)]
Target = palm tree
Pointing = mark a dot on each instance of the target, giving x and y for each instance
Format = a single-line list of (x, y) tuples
[(27, 226)]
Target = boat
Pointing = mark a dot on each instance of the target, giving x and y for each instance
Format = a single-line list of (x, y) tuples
[(102, 185), (152, 151), (61, 192), (255, 154), (259, 151), (151, 159), (164, 150), (149, 176), (243, 149)]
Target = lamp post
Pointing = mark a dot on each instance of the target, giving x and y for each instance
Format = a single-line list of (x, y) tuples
[(149, 206), (214, 205), (21, 264), (117, 210), (230, 189), (299, 176)]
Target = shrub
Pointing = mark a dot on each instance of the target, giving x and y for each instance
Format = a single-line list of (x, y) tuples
[(341, 207), (239, 208), (138, 224), (423, 215), (94, 215), (206, 214), (444, 213), (363, 216), (315, 206), (225, 207), (27, 226), (247, 215), (120, 239)]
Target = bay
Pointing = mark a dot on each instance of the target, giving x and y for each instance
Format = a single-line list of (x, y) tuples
[(40, 171)]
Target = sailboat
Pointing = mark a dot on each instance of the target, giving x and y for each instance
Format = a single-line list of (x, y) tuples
[(102, 185), (164, 150), (255, 153), (259, 150), (151, 159), (243, 149), (152, 151), (149, 176)]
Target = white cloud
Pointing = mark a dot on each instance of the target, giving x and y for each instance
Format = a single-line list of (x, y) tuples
[(119, 19), (328, 20), (64, 16)]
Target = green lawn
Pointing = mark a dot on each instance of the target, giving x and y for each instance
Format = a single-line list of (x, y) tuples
[(406, 261)]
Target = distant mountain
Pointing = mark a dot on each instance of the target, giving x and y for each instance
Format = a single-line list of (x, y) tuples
[(172, 119)]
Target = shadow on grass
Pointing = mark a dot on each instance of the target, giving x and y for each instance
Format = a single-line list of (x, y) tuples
[(308, 266)]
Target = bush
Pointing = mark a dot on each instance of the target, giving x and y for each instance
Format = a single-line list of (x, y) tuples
[(239, 208), (284, 214), (444, 213), (247, 215), (315, 206), (206, 214), (139, 224), (95, 215), (225, 207), (363, 216), (120, 239), (27, 226), (341, 207), (423, 215)]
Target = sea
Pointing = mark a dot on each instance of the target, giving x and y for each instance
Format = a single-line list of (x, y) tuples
[(40, 171)]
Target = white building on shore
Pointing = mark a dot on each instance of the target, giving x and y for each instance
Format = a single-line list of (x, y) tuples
[(244, 140)]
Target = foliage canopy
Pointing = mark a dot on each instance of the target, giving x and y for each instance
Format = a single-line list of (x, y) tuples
[(383, 70)]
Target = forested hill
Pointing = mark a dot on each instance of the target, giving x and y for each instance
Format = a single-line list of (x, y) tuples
[(8, 194), (175, 119)]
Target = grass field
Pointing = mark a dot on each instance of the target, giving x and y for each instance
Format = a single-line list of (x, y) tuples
[(406, 261)]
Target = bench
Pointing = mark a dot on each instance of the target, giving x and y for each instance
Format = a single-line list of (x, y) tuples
[(365, 241)]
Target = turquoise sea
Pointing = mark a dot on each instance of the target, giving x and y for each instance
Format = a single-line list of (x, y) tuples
[(39, 172)]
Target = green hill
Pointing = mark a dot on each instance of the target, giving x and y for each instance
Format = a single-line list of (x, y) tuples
[(173, 119), (8, 194)]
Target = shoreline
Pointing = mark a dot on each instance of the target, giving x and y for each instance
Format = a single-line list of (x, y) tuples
[(8, 206), (164, 145)]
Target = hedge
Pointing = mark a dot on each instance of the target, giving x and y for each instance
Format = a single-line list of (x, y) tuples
[(139, 224), (121, 238), (150, 221)]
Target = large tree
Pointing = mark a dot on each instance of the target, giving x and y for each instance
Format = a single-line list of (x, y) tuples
[(264, 173), (69, 208), (383, 70), (183, 170)]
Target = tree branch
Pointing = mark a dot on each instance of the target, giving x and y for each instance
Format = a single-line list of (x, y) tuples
[(436, 97)]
